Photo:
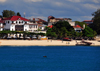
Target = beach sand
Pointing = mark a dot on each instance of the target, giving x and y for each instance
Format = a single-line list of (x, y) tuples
[(43, 43)]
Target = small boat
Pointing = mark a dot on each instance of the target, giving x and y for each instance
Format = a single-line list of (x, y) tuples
[(83, 43)]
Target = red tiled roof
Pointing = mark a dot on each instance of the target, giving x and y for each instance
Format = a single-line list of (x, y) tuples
[(14, 18), (51, 17), (59, 18), (1, 21), (77, 26), (50, 26)]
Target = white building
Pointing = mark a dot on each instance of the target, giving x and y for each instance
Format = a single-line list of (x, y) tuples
[(42, 27), (78, 28), (17, 23), (1, 25), (52, 20)]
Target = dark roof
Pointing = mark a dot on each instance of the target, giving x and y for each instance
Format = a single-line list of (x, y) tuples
[(1, 21)]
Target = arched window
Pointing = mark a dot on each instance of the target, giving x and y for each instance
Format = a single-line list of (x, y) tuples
[(36, 26), (12, 21), (8, 21), (25, 22)]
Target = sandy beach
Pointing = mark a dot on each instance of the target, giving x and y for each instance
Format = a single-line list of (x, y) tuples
[(43, 43)]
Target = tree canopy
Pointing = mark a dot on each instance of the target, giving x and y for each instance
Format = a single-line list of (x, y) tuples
[(88, 32), (63, 29), (18, 14), (8, 13), (96, 21)]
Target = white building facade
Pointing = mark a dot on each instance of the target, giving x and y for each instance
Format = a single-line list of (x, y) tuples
[(17, 23), (1, 26)]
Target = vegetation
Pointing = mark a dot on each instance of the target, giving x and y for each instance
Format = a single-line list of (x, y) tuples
[(96, 21), (63, 29), (8, 13), (50, 33), (18, 14), (88, 32), (60, 29)]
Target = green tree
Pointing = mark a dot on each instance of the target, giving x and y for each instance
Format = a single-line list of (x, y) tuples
[(88, 32), (8, 13), (78, 34), (63, 29), (18, 14), (96, 21), (50, 33)]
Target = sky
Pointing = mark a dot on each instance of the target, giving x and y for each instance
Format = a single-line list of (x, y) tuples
[(77, 10)]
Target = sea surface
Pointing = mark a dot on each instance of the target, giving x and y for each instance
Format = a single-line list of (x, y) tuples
[(57, 58)]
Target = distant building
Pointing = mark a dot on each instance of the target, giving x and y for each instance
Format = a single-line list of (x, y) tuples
[(1, 25), (17, 23), (41, 23), (78, 28), (52, 20), (88, 22)]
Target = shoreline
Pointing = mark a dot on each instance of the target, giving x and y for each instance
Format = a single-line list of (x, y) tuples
[(44, 43)]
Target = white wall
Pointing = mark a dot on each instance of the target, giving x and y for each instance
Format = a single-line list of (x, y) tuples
[(7, 26), (72, 23), (77, 29), (12, 27), (19, 23), (1, 25), (42, 27), (1, 29), (26, 27), (33, 28)]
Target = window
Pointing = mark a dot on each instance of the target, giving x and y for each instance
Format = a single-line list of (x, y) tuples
[(30, 26), (34, 26), (12, 21), (25, 22), (8, 21)]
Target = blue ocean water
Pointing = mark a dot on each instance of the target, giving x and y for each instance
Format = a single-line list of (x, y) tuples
[(59, 58)]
